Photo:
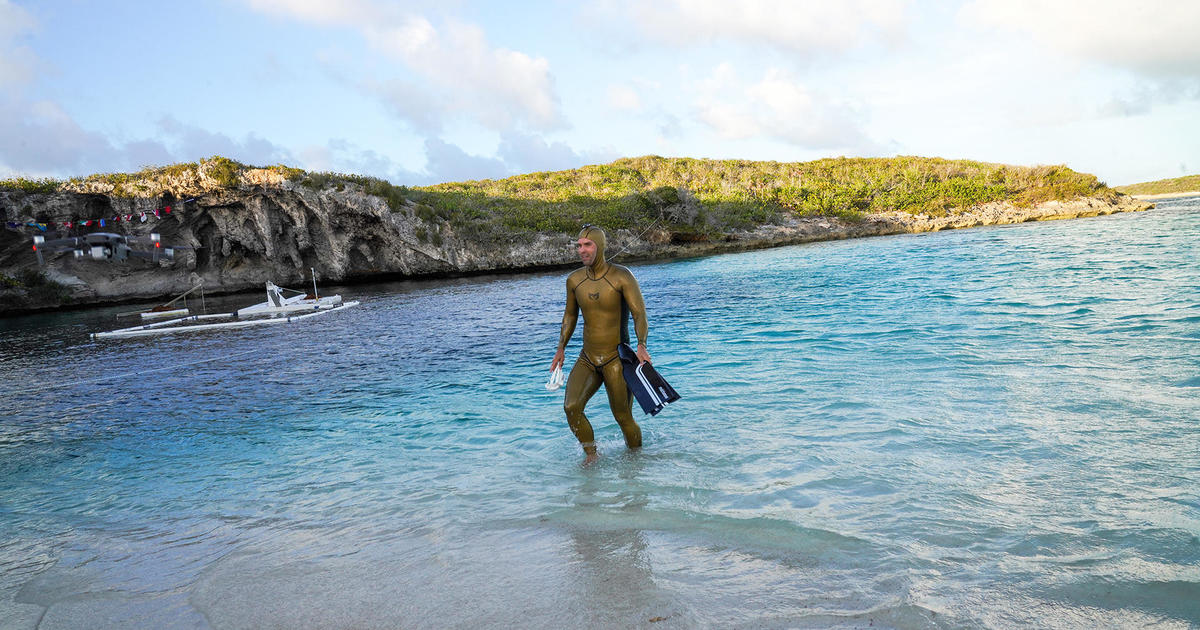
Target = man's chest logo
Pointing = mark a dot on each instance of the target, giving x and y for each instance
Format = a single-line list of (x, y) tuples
[(594, 296)]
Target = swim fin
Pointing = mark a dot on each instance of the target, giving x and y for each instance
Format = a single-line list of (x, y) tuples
[(645, 383)]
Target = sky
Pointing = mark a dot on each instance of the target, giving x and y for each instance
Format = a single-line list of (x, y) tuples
[(429, 91)]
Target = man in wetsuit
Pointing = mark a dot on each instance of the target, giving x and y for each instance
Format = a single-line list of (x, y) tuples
[(607, 295)]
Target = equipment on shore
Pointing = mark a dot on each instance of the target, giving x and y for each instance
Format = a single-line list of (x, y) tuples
[(105, 246), (276, 310)]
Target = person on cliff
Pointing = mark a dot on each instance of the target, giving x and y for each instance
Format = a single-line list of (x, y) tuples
[(607, 295)]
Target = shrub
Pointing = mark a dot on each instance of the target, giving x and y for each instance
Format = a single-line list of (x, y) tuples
[(289, 173), (38, 288), (34, 185), (226, 172)]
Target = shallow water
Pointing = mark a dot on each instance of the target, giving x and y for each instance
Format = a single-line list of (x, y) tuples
[(989, 428)]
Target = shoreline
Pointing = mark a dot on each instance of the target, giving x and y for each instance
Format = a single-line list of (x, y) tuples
[(1171, 195), (661, 244), (800, 230)]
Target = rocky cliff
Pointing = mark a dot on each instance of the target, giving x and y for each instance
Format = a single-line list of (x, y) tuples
[(269, 227)]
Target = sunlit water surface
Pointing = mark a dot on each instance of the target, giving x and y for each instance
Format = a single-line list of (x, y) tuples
[(983, 428)]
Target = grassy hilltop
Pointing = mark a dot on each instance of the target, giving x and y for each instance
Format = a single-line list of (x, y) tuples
[(1186, 184), (704, 196), (721, 194)]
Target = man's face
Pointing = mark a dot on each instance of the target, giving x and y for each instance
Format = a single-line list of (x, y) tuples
[(587, 251)]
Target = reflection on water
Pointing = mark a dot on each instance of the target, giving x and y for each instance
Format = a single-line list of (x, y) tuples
[(608, 554), (982, 428)]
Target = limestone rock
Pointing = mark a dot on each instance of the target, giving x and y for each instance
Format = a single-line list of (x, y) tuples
[(270, 228)]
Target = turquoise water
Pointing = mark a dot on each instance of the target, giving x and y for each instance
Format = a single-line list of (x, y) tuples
[(987, 428)]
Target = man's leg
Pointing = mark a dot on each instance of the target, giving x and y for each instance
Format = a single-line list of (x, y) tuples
[(620, 400), (581, 385)]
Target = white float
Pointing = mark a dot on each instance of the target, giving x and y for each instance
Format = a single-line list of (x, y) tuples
[(276, 310)]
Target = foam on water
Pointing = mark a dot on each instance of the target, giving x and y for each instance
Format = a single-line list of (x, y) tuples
[(983, 428)]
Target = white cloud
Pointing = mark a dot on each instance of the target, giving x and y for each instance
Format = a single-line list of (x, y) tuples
[(669, 127), (341, 13), (1157, 38), (39, 138), (411, 103), (193, 143), (449, 163), (496, 86), (524, 153), (804, 26), (17, 62), (461, 73), (779, 107), (343, 156), (448, 75), (624, 98)]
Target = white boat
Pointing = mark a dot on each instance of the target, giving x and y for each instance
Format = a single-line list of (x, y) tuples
[(276, 310), (277, 304)]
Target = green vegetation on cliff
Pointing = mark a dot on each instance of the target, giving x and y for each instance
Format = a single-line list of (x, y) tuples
[(216, 171), (31, 289), (721, 194), (1186, 184), (688, 195), (35, 185)]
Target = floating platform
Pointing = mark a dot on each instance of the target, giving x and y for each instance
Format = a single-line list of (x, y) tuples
[(175, 312), (276, 310)]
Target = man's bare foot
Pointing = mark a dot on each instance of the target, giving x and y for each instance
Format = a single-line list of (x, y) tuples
[(591, 458)]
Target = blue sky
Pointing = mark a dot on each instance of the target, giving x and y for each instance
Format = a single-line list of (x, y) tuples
[(423, 91)]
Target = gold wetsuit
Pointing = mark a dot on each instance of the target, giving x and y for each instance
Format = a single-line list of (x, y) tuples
[(607, 295)]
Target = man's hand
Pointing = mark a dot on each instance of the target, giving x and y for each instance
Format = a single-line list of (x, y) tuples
[(643, 354), (559, 358)]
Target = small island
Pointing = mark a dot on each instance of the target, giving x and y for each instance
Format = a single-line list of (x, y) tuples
[(237, 226)]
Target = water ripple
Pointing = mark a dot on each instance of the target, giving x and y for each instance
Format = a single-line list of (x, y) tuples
[(982, 428)]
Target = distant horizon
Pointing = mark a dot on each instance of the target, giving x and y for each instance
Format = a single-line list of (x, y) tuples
[(422, 92)]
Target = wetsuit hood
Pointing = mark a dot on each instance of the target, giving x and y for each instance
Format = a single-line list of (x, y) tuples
[(596, 235)]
